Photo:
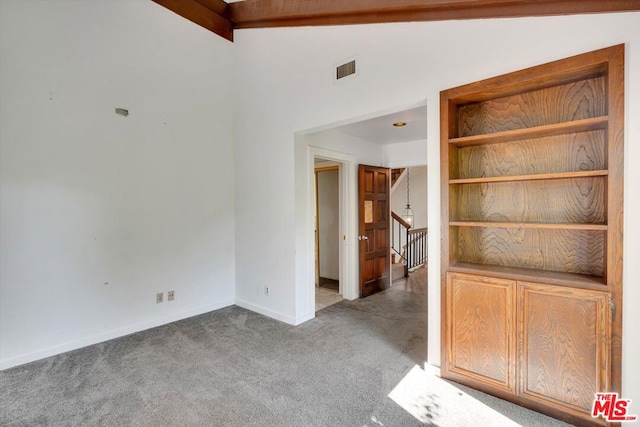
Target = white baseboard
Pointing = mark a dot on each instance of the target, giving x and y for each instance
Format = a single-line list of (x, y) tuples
[(266, 312), (109, 335), (300, 320)]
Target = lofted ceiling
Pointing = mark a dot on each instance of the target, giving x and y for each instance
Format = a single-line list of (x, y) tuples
[(224, 17)]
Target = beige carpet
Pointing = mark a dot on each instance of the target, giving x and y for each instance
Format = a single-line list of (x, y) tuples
[(358, 363)]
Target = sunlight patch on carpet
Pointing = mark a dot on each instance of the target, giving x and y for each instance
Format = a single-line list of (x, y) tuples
[(434, 401)]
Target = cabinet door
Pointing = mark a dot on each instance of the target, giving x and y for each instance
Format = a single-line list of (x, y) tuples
[(481, 330), (564, 346)]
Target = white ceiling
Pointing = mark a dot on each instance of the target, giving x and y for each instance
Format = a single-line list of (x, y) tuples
[(380, 130)]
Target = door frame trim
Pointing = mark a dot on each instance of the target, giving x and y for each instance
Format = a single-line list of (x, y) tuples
[(348, 220), (317, 222)]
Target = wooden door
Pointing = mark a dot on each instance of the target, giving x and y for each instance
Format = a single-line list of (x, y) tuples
[(564, 343), (375, 247), (481, 330)]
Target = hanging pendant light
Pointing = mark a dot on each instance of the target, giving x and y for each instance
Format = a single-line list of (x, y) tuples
[(407, 214)]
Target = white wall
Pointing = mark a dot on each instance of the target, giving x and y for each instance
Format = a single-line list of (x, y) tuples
[(399, 64), (365, 152), (87, 197), (328, 223), (417, 195), (283, 224), (403, 154)]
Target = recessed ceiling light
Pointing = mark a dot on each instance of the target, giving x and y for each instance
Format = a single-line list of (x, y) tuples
[(399, 124)]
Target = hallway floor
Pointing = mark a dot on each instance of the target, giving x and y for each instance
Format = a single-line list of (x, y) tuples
[(326, 297)]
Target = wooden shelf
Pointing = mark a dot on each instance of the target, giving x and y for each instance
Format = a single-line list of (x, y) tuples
[(529, 274), (539, 225), (584, 125), (535, 177)]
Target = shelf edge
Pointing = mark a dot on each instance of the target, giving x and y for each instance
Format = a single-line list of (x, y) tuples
[(531, 275), (584, 125), (533, 225), (533, 177)]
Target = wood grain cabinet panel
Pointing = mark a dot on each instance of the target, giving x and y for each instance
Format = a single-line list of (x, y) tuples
[(482, 329), (576, 200), (577, 152), (557, 103), (563, 345), (571, 251)]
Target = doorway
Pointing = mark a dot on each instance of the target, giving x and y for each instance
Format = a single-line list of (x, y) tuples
[(409, 232), (327, 233), (366, 140)]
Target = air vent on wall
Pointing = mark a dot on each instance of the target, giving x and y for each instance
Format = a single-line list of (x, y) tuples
[(345, 70)]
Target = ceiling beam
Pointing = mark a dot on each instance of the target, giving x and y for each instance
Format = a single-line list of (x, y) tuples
[(210, 14), (217, 6), (287, 13)]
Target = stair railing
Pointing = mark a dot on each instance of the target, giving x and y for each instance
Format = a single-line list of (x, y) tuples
[(416, 248), (400, 237), (410, 245)]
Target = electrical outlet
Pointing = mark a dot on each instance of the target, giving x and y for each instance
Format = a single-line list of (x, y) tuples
[(171, 295), (266, 290), (159, 297)]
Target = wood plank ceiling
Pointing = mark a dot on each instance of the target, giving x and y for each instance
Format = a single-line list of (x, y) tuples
[(223, 18)]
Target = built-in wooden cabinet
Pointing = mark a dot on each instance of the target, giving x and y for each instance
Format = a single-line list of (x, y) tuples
[(532, 174), (563, 345), (482, 331)]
